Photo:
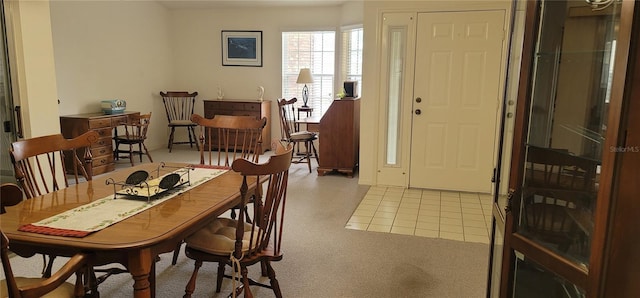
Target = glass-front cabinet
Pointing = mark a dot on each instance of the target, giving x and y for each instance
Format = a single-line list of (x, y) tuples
[(572, 88)]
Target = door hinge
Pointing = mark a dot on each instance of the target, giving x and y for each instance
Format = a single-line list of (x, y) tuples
[(510, 196)]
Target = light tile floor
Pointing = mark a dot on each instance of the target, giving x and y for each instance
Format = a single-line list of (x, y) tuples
[(451, 215)]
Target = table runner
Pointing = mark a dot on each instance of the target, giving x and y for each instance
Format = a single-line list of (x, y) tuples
[(86, 219)]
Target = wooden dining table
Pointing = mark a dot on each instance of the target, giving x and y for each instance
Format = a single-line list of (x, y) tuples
[(134, 242)]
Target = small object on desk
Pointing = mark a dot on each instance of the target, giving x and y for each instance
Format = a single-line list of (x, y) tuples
[(260, 93), (220, 93), (113, 106)]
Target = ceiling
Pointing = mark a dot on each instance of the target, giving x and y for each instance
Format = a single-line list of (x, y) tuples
[(186, 4)]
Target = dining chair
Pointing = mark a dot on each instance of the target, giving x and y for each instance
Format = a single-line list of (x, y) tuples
[(233, 137), (132, 133), (559, 196), (239, 244), (557, 168), (42, 164), (558, 218), (288, 129), (10, 195), (52, 287), (179, 107)]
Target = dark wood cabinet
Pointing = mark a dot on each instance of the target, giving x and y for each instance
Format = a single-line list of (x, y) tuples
[(72, 126), (340, 137), (256, 109), (578, 99)]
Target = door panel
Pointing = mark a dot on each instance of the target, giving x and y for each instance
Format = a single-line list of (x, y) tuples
[(457, 92), (396, 70)]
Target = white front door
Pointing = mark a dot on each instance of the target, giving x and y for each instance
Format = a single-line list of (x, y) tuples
[(457, 90)]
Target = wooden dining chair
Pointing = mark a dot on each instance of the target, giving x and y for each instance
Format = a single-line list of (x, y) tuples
[(233, 137), (559, 196), (286, 111), (132, 133), (179, 107), (10, 195), (52, 287), (555, 168), (239, 244), (558, 218), (42, 164)]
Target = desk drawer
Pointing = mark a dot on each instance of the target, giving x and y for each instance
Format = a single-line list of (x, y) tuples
[(253, 107), (104, 132), (100, 151), (102, 160), (119, 120), (103, 141), (98, 123)]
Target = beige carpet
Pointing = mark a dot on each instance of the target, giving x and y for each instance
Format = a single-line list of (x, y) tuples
[(322, 258)]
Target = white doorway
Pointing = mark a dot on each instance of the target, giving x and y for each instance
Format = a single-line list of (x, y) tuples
[(442, 80)]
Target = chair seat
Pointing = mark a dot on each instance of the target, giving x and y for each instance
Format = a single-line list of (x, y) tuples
[(219, 237), (303, 135), (181, 123), (66, 290)]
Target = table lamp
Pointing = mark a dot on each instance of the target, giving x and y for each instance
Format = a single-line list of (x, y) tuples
[(304, 77)]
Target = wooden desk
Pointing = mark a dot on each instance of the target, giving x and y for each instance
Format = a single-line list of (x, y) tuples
[(340, 137), (72, 126), (134, 242), (311, 123)]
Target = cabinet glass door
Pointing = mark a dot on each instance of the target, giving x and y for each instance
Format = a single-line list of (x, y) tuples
[(571, 85), (570, 73)]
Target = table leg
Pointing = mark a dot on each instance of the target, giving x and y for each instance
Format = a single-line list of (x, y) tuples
[(140, 263)]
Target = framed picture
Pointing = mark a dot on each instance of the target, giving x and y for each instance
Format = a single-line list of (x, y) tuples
[(241, 48)]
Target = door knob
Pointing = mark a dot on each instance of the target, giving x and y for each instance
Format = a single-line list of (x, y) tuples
[(418, 112)]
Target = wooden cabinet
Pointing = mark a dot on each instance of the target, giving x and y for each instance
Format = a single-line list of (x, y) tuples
[(256, 109), (340, 137), (102, 151), (578, 99)]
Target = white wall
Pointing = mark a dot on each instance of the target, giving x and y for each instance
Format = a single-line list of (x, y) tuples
[(197, 50), (133, 49), (113, 49)]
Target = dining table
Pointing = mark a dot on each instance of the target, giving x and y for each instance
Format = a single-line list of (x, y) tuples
[(134, 242)]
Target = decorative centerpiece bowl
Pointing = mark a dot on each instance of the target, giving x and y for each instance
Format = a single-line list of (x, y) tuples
[(113, 106)]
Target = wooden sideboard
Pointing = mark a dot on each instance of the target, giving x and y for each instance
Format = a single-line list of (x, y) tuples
[(339, 135), (72, 126), (254, 108)]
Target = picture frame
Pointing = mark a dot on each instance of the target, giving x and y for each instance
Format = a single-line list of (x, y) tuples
[(241, 48)]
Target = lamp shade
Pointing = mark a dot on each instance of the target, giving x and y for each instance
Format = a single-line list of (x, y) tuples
[(304, 77)]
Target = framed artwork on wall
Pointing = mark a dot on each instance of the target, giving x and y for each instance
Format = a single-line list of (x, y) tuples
[(241, 48)]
